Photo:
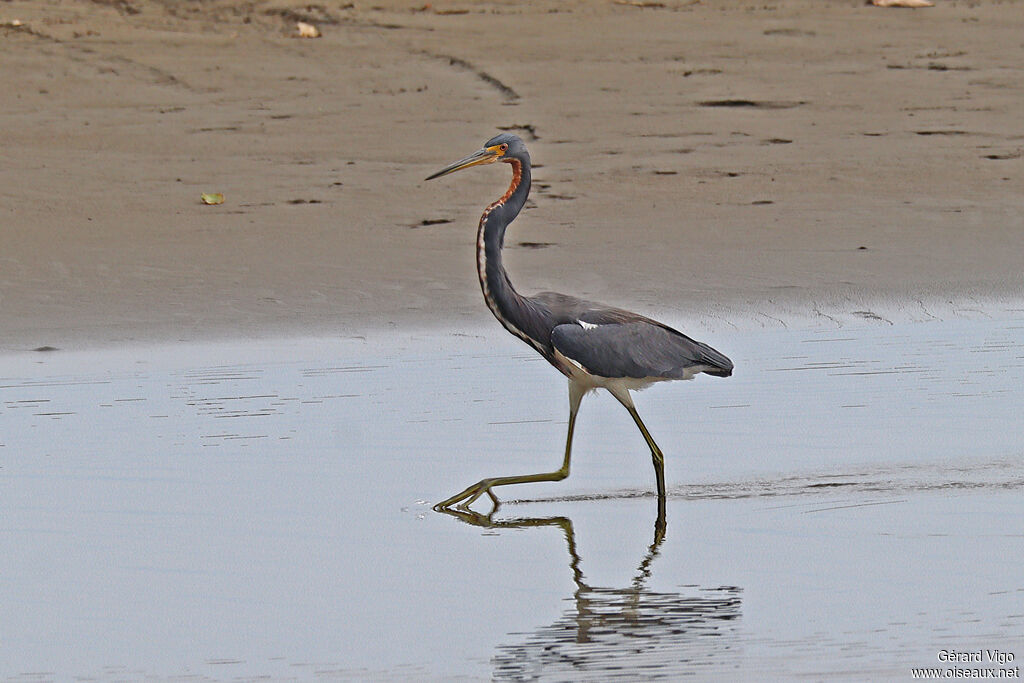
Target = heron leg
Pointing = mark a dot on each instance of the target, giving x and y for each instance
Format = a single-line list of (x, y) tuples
[(656, 455), (465, 498)]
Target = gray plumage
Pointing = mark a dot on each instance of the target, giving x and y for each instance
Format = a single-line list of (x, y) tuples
[(611, 342)]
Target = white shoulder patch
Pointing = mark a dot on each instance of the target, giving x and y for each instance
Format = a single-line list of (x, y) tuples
[(587, 326)]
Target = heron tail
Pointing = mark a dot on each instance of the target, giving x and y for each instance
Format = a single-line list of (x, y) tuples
[(720, 364)]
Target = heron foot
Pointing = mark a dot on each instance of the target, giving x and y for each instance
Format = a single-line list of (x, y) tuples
[(464, 499)]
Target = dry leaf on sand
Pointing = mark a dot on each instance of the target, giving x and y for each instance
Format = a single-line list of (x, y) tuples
[(307, 30)]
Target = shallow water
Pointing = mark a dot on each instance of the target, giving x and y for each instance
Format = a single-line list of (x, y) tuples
[(846, 506)]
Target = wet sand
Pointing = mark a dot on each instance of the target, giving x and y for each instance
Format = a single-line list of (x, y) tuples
[(225, 470), (736, 164)]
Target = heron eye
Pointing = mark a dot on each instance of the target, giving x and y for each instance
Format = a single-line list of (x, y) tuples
[(504, 147)]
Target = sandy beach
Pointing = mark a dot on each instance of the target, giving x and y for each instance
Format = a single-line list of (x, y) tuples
[(726, 163)]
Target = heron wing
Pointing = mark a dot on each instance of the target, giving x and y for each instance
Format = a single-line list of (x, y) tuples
[(637, 348)]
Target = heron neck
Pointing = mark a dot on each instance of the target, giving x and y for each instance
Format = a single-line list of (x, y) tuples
[(507, 305)]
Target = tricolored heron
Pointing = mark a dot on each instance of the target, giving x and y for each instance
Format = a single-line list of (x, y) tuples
[(595, 346)]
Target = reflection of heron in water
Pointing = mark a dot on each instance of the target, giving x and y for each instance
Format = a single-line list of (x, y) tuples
[(615, 633)]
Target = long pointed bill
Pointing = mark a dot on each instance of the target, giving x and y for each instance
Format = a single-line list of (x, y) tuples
[(484, 156)]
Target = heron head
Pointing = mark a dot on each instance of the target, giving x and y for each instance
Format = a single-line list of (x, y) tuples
[(504, 147)]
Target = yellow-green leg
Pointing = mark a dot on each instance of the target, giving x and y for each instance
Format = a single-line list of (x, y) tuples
[(466, 498), (656, 454)]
